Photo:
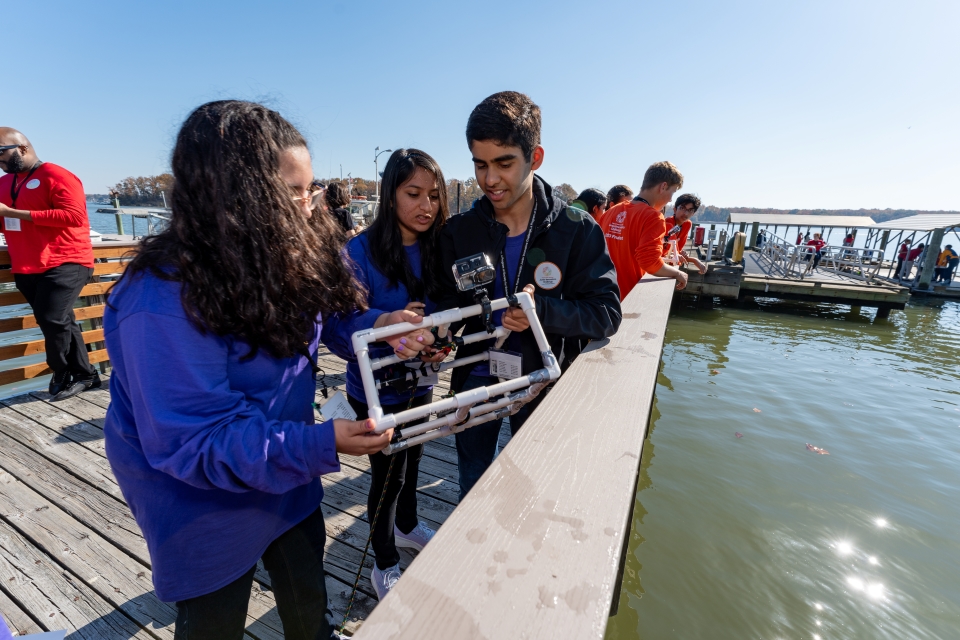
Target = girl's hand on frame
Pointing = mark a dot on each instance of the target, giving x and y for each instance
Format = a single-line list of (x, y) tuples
[(406, 345)]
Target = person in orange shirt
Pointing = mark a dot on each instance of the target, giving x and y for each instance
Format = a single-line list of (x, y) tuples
[(678, 228), (634, 230)]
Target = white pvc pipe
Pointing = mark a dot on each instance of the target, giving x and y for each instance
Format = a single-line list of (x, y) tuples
[(464, 400)]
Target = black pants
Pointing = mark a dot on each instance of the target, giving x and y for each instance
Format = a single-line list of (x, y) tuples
[(400, 501), (295, 563), (52, 295)]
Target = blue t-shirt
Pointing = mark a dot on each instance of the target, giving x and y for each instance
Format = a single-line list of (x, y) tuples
[(382, 298), (216, 454), (511, 251)]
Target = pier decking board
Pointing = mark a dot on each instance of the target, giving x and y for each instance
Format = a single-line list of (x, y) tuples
[(73, 548)]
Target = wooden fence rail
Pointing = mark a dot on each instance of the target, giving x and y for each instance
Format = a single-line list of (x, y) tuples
[(109, 262), (535, 549)]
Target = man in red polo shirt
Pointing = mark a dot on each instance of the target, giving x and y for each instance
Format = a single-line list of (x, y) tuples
[(678, 228), (44, 221), (634, 230)]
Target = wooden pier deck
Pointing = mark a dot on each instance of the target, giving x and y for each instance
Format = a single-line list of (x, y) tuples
[(72, 557)]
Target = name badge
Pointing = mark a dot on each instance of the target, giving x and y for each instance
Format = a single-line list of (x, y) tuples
[(505, 364), (337, 407), (11, 224)]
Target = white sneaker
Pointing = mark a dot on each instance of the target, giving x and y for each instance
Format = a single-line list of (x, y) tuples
[(416, 539), (384, 580)]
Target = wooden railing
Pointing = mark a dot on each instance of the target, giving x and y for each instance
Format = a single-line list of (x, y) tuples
[(536, 549), (92, 305)]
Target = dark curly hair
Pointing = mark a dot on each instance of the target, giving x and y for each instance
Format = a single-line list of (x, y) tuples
[(252, 265), (386, 243)]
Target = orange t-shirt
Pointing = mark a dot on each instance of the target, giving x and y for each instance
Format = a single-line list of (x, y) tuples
[(634, 232)]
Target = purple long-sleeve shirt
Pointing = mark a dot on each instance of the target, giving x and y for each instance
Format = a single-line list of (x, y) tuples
[(217, 456)]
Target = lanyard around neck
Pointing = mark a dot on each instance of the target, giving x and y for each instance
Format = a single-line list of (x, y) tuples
[(523, 255), (15, 190)]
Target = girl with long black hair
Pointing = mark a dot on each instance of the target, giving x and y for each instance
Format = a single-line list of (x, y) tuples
[(397, 262), (213, 334)]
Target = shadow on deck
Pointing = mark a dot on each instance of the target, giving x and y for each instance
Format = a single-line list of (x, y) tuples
[(72, 557)]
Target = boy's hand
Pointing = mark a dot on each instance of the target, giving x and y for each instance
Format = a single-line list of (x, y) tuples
[(514, 318)]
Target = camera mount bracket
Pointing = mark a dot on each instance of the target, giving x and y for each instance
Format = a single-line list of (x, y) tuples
[(467, 408)]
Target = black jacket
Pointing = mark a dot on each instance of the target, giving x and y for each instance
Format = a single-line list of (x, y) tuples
[(585, 304)]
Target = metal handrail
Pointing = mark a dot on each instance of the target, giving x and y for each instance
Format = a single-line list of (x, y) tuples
[(786, 257), (860, 263)]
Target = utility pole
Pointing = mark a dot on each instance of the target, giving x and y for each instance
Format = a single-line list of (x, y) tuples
[(376, 168)]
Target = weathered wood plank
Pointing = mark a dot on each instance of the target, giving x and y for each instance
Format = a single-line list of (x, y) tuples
[(93, 289), (100, 251), (534, 550), (78, 406), (99, 269), (95, 509), (80, 462), (32, 371), (120, 580), (19, 622), (56, 597), (30, 322), (37, 346)]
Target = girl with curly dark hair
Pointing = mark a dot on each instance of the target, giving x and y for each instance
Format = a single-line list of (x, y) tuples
[(213, 333), (397, 262)]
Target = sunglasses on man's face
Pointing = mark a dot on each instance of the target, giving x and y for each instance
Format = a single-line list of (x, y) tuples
[(7, 147)]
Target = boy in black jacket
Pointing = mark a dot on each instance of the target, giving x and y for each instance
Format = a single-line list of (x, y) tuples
[(560, 251)]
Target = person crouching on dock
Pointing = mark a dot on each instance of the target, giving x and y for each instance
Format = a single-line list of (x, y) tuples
[(678, 227), (213, 332), (397, 262)]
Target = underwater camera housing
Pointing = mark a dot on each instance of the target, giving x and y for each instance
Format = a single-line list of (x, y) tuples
[(467, 408), (473, 272)]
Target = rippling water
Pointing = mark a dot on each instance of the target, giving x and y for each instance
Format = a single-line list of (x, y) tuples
[(759, 537)]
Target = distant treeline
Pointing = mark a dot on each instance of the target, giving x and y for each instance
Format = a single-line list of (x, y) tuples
[(720, 214)]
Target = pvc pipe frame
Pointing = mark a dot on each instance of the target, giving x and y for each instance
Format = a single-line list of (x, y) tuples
[(461, 404)]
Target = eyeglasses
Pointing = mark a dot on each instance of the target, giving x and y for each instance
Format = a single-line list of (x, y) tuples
[(308, 197), (688, 209), (7, 147)]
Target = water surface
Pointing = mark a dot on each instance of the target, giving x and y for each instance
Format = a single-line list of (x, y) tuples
[(759, 537)]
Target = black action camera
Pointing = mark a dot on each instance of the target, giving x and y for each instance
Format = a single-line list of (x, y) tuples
[(473, 272)]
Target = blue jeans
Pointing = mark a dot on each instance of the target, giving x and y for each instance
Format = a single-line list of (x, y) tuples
[(477, 446)]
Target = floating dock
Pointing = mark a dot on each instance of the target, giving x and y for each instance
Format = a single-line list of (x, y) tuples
[(759, 277)]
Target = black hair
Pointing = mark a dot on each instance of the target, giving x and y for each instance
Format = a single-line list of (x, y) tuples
[(617, 192), (510, 119), (251, 263), (386, 243), (592, 198), (685, 199)]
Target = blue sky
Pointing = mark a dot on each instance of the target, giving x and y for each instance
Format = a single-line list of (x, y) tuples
[(782, 104)]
